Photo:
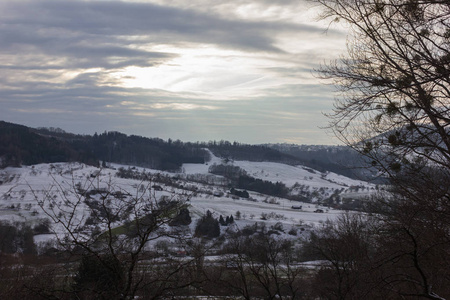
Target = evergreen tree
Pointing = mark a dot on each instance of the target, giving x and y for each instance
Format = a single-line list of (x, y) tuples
[(207, 226), (221, 221)]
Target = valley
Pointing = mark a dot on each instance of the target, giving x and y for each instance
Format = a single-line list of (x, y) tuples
[(26, 191)]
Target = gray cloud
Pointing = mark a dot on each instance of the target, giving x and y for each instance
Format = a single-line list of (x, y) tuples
[(56, 58), (104, 34), (42, 23)]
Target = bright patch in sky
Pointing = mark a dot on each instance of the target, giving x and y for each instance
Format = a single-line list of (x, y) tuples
[(198, 70), (219, 74)]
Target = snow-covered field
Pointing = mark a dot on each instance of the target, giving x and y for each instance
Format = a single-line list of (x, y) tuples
[(291, 175), (23, 189), (301, 180)]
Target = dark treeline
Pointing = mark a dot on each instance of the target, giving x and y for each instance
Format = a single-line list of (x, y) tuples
[(154, 153), (277, 189), (238, 151), (21, 145), (240, 179)]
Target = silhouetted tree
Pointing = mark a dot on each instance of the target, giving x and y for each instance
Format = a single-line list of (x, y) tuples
[(183, 218), (207, 226), (112, 246), (394, 107)]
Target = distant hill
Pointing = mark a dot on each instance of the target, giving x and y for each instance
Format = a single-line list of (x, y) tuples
[(257, 153), (21, 145), (153, 153)]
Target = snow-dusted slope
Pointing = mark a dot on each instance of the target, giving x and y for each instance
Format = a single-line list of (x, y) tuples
[(21, 189), (290, 175), (301, 180), (201, 168)]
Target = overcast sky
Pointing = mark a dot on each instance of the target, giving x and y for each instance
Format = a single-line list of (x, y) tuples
[(196, 70)]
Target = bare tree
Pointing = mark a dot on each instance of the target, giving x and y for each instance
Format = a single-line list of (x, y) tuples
[(264, 266), (111, 231), (347, 246), (394, 107), (395, 80)]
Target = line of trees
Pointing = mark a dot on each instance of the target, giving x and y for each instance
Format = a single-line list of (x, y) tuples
[(23, 145), (240, 179), (238, 151)]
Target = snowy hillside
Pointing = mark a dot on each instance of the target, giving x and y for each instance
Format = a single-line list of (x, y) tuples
[(26, 192), (300, 179)]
